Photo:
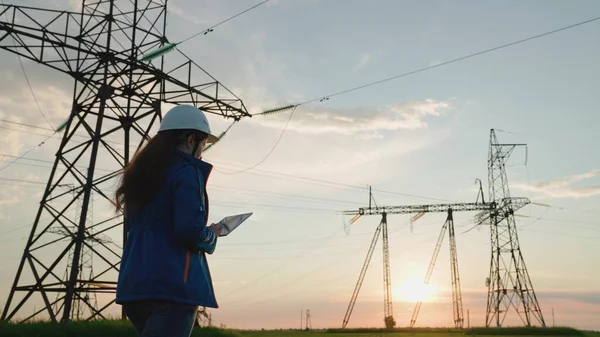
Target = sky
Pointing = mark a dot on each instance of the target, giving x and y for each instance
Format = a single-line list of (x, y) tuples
[(416, 140)]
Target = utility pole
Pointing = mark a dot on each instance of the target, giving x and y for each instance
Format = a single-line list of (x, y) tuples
[(553, 317), (301, 319), (419, 210), (86, 297), (457, 306), (468, 319), (117, 101), (509, 285), (498, 211)]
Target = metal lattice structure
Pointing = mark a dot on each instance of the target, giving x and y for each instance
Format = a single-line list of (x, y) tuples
[(308, 321), (86, 298), (499, 212), (117, 101), (509, 284), (457, 308), (362, 274), (388, 308)]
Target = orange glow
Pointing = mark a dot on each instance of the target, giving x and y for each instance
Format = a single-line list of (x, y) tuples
[(413, 291)]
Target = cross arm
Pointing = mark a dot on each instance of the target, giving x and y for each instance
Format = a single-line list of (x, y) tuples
[(45, 36), (507, 203)]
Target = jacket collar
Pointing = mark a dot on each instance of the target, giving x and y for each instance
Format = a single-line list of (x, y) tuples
[(203, 166)]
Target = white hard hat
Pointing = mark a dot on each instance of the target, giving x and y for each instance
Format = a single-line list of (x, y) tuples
[(187, 117)]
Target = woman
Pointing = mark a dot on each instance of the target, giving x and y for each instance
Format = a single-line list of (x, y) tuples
[(164, 274)]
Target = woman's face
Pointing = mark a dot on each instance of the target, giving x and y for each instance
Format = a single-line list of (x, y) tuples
[(189, 146), (198, 153)]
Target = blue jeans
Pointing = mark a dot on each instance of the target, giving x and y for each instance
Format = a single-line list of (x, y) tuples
[(161, 318)]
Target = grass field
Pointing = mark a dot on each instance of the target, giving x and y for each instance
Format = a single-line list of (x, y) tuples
[(124, 329)]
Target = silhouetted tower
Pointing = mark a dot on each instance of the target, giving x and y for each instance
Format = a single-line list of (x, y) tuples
[(117, 101), (457, 306), (203, 318), (420, 210), (86, 297), (388, 315), (509, 285), (308, 322), (457, 309)]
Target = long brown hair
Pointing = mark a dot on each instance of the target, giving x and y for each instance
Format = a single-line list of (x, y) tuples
[(145, 174)]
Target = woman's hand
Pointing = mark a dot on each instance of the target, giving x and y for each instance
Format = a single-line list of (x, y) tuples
[(216, 228)]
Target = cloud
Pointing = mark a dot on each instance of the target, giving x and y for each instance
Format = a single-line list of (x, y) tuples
[(364, 60), (562, 187), (182, 13), (367, 122), (9, 197)]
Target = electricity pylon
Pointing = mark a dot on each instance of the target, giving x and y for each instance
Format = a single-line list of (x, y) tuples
[(308, 322), (203, 318), (420, 210), (85, 297), (509, 284), (117, 100), (457, 308)]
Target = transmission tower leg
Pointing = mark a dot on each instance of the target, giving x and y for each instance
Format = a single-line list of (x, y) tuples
[(388, 309), (509, 284), (362, 275), (457, 306), (115, 93), (436, 252)]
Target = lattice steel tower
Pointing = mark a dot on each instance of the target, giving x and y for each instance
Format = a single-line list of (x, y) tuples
[(117, 101), (509, 285)]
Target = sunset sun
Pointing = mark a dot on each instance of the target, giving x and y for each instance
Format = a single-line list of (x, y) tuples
[(414, 291)]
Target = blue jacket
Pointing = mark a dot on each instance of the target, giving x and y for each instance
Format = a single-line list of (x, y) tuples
[(164, 257)]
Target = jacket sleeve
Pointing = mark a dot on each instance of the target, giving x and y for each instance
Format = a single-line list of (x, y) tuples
[(189, 213)]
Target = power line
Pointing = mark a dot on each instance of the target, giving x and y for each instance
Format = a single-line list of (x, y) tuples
[(355, 187), (279, 267), (17, 185), (327, 97), (312, 273), (25, 131), (45, 161), (237, 205), (272, 172), (276, 194), (293, 176), (216, 202), (270, 151), (253, 168), (37, 104), (214, 187), (25, 124), (26, 153), (28, 164), (29, 83), (46, 129), (412, 195), (597, 225), (210, 29), (31, 159), (564, 234), (171, 46), (565, 208), (237, 189), (24, 181)]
